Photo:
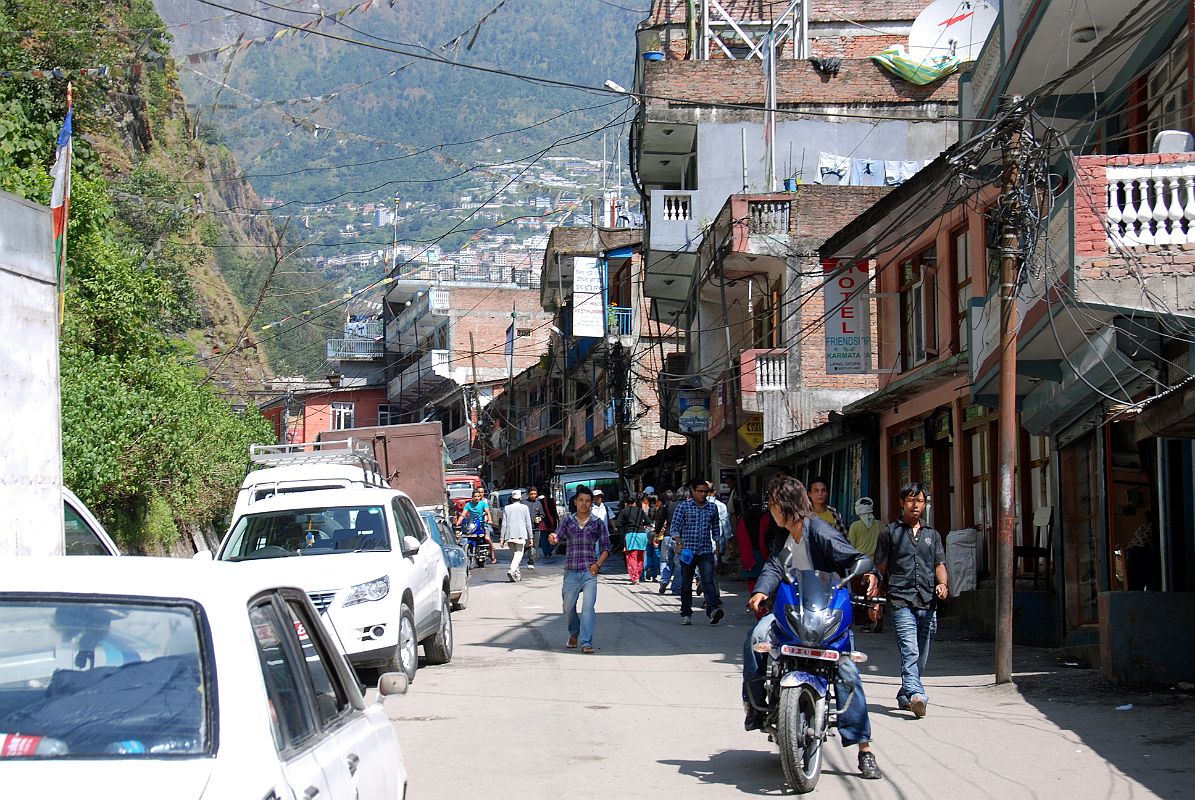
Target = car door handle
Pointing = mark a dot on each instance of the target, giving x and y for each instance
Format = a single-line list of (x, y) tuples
[(311, 792), (352, 759)]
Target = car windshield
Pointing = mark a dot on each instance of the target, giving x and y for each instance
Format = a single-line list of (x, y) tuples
[(308, 532), (101, 679), (609, 487), (460, 490)]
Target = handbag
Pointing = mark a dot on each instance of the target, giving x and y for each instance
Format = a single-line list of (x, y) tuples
[(636, 540)]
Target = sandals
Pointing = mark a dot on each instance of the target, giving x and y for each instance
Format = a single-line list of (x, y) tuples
[(572, 643), (587, 650)]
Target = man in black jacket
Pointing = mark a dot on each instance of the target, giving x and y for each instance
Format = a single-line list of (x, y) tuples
[(812, 545)]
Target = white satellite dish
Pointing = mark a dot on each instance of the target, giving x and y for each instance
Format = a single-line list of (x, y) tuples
[(952, 28)]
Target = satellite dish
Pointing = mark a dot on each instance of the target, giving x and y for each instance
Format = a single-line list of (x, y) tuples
[(955, 28)]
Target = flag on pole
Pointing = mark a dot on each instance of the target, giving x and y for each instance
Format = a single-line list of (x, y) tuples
[(60, 200)]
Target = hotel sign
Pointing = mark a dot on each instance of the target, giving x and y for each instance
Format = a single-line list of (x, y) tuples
[(848, 320)]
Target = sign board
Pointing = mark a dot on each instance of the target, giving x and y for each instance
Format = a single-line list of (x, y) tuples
[(457, 444), (694, 410), (589, 312), (848, 320), (751, 431)]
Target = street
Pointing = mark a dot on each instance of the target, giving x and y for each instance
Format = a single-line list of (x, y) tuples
[(656, 712)]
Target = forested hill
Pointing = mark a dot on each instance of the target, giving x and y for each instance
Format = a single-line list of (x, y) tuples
[(389, 108)]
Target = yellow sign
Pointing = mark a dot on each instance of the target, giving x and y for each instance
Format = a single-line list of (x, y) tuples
[(751, 431)]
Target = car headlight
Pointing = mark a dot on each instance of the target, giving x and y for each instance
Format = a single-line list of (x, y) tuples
[(370, 590)]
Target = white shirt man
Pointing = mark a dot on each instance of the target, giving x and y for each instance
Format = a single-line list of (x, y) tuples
[(600, 509), (516, 531)]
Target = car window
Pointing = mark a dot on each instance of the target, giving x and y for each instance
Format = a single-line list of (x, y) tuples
[(308, 532), (407, 520), (331, 699), (609, 487), (102, 678), (291, 719), (433, 527), (460, 490), (81, 540)]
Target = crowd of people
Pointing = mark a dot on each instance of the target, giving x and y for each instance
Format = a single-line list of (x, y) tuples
[(679, 538)]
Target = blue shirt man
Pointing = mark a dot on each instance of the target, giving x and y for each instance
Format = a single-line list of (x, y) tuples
[(695, 522)]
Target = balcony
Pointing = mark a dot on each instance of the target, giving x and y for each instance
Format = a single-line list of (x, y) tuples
[(401, 331), (430, 372), (619, 321), (355, 349), (674, 221), (760, 372)]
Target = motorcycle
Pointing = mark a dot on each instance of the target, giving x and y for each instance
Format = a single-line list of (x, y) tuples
[(477, 549), (810, 635)]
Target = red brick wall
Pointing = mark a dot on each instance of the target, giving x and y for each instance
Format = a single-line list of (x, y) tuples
[(486, 314), (853, 46), (858, 81), (316, 417)]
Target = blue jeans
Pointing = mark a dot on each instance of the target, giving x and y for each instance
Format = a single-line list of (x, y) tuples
[(854, 726), (652, 562), (580, 584), (669, 572), (915, 628), (703, 564)]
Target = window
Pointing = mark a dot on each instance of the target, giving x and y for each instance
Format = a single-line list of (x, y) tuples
[(331, 699), (961, 263), (522, 332), (387, 414), (343, 416), (81, 540), (1168, 80), (919, 309), (290, 716), (407, 520)]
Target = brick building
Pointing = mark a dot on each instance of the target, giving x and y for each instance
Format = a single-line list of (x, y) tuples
[(733, 261)]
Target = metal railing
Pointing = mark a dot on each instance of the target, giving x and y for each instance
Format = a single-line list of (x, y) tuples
[(619, 321), (355, 349)]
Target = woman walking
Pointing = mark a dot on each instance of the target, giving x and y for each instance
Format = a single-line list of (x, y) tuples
[(651, 564), (635, 523)]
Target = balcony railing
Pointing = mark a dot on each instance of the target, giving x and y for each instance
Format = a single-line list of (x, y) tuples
[(677, 207), (771, 372), (1151, 205), (674, 221), (767, 217), (434, 366), (619, 321), (355, 349)]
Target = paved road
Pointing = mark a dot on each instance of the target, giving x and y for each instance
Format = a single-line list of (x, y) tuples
[(656, 713)]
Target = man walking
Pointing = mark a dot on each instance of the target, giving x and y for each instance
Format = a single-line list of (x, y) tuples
[(911, 558), (695, 527), (588, 541), (538, 525), (516, 532)]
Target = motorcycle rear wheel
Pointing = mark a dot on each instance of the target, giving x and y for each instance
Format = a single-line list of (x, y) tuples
[(800, 751)]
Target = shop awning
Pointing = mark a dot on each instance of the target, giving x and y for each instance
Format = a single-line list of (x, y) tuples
[(841, 431)]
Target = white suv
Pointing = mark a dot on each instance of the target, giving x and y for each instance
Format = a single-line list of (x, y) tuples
[(366, 561)]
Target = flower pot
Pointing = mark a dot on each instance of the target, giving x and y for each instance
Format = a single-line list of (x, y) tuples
[(653, 55)]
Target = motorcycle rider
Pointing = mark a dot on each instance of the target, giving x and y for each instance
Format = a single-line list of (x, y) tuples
[(816, 545), (478, 511)]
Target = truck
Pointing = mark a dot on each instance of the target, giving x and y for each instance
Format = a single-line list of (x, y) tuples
[(603, 475), (31, 481), (460, 483), (410, 457)]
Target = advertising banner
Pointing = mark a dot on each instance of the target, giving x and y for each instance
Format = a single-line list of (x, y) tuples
[(694, 410), (848, 323), (589, 312)]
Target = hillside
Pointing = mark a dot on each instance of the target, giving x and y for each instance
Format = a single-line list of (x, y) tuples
[(155, 345)]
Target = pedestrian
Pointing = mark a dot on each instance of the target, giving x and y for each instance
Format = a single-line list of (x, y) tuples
[(588, 547), (535, 506), (651, 564), (634, 521), (478, 511), (516, 532), (864, 536), (670, 571), (695, 529), (600, 509), (812, 544), (819, 496), (551, 520), (912, 562)]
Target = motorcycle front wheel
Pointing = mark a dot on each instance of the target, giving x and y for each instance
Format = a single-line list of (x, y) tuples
[(800, 748)]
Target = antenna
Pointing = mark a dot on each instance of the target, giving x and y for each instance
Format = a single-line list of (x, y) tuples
[(952, 28)]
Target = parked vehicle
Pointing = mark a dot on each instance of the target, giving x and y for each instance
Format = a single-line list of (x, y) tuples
[(810, 635), (410, 457), (454, 555), (366, 560), (460, 484), (147, 678), (85, 536), (615, 490)]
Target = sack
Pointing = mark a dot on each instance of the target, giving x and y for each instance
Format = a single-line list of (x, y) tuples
[(636, 540)]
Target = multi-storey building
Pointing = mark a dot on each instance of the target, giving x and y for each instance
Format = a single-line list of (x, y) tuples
[(1105, 306), (722, 127)]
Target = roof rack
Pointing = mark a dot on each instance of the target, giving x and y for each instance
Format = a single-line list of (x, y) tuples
[(348, 452)]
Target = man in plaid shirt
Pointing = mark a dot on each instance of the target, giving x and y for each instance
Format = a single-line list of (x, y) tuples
[(695, 523), (588, 548)]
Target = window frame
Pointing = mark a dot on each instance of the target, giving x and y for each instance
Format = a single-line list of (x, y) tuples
[(300, 614), (918, 286), (337, 412), (961, 278), (387, 414)]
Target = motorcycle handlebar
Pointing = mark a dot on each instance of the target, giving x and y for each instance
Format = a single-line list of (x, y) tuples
[(862, 599)]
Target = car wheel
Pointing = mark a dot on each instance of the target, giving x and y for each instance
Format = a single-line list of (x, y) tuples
[(438, 646), (406, 652)]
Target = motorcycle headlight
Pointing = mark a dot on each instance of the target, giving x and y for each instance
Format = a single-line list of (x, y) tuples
[(814, 627), (368, 591)]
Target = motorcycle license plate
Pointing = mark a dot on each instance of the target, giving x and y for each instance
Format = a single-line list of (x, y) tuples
[(809, 652)]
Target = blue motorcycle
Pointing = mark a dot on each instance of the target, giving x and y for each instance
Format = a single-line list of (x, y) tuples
[(810, 635), (477, 549)]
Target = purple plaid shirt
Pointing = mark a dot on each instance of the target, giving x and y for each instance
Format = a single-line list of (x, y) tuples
[(582, 551)]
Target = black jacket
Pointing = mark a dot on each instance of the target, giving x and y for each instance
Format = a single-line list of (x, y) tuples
[(829, 551)]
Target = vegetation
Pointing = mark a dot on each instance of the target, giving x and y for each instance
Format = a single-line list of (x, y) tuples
[(148, 442)]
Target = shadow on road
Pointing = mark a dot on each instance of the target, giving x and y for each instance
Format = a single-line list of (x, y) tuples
[(750, 771)]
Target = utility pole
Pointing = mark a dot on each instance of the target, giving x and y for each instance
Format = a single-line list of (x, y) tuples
[(476, 401), (1010, 256), (733, 394)]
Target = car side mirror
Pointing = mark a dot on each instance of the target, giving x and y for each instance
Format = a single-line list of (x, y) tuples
[(410, 545), (392, 683), (203, 555)]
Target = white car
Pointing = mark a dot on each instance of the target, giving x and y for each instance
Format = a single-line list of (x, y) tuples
[(366, 560), (84, 535), (154, 677)]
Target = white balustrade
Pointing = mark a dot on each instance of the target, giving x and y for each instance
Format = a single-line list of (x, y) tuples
[(678, 207), (1151, 205), (771, 372), (767, 216)]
